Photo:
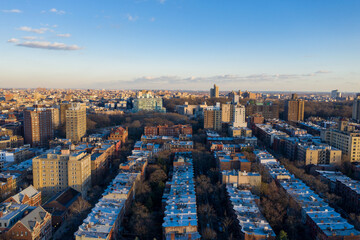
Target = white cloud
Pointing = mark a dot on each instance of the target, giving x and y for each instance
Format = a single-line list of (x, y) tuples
[(34, 30), (12, 11), (29, 37), (224, 79), (49, 45), (13, 40), (65, 35), (54, 10), (132, 18), (322, 71)]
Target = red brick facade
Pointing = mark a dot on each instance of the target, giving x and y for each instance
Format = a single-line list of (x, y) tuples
[(165, 130)]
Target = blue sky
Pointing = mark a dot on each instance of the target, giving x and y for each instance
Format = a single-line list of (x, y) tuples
[(303, 45)]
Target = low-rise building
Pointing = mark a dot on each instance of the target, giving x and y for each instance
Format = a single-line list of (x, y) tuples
[(323, 154), (166, 130), (60, 205), (23, 222), (239, 178), (29, 196), (16, 155), (240, 132), (103, 223), (228, 160), (35, 225), (252, 222), (119, 134), (180, 221), (324, 222), (347, 188), (8, 184)]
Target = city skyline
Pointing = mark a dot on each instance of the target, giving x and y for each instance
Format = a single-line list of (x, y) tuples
[(168, 44)]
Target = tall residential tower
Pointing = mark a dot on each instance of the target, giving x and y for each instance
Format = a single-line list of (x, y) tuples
[(294, 109), (38, 126), (76, 121)]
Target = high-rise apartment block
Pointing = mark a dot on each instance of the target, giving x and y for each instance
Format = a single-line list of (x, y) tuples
[(214, 92), (231, 113), (76, 121), (55, 116), (63, 107), (294, 109), (356, 108), (38, 126), (335, 94), (226, 109), (212, 117), (54, 172), (347, 141), (237, 116), (148, 102), (268, 110)]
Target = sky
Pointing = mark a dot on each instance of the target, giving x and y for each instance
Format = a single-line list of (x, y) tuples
[(256, 45)]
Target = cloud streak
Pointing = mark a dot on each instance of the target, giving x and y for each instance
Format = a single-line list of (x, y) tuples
[(64, 35), (220, 79), (13, 40), (29, 37), (33, 30), (48, 45), (54, 10), (132, 18), (12, 11)]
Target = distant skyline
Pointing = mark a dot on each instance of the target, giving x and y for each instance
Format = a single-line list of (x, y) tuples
[(256, 45)]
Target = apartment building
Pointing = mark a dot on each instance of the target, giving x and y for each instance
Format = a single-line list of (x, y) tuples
[(38, 126), (240, 132), (311, 154), (8, 184), (347, 142), (294, 109), (166, 130), (356, 108), (54, 172), (148, 102), (232, 160), (212, 117), (75, 121), (239, 178), (191, 110), (11, 141), (214, 92), (267, 110), (55, 117)]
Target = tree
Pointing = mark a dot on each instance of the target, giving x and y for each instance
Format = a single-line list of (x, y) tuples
[(282, 235), (158, 176), (208, 233), (79, 206)]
